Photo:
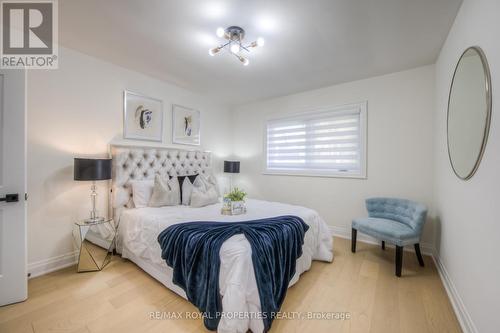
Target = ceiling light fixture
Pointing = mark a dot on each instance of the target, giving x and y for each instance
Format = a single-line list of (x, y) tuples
[(235, 36), (220, 32), (235, 48)]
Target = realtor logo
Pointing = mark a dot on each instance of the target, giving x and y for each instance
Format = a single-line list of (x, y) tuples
[(29, 34)]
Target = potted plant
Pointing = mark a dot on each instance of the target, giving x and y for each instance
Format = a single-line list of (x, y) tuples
[(236, 200)]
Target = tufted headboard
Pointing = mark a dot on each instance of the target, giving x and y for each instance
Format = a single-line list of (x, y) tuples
[(137, 163)]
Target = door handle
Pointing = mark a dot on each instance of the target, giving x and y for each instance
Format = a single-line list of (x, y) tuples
[(10, 198)]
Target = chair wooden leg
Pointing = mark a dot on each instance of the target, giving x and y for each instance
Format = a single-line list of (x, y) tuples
[(353, 240), (383, 245), (419, 255), (399, 260)]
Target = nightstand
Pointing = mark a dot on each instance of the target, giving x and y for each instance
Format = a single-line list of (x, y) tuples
[(96, 242)]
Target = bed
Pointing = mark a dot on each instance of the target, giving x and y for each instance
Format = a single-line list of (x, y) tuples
[(138, 229)]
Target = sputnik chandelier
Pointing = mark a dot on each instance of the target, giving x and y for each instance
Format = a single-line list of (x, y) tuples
[(234, 36)]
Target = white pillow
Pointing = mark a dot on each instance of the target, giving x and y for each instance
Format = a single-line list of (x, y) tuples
[(200, 198), (210, 181), (141, 192), (200, 182), (187, 189), (166, 192), (204, 192)]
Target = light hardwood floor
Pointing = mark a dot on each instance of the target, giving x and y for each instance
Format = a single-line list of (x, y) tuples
[(122, 297)]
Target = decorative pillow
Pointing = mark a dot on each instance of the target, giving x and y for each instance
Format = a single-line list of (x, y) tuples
[(187, 189), (204, 192), (210, 181), (200, 198), (141, 192), (191, 178), (166, 192), (188, 186)]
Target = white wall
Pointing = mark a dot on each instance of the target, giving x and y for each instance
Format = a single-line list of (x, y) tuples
[(469, 228), (76, 111), (400, 145)]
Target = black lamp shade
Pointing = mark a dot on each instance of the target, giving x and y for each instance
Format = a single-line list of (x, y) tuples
[(92, 169), (232, 166)]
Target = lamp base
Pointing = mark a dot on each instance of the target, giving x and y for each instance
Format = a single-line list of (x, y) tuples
[(93, 213), (94, 220)]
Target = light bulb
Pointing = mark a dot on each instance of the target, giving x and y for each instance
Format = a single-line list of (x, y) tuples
[(220, 32), (213, 51), (260, 41), (235, 48), (244, 60)]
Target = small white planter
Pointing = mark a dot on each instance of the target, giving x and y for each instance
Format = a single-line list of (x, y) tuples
[(238, 207)]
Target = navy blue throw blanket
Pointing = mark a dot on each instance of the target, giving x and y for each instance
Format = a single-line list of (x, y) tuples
[(192, 250)]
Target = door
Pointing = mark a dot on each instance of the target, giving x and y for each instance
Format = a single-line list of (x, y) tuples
[(13, 253)]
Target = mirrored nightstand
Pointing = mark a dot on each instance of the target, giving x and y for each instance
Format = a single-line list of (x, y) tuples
[(96, 242)]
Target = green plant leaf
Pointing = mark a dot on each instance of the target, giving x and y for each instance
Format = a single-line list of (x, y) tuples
[(236, 195)]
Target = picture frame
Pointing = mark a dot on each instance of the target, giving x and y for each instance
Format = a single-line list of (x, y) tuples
[(186, 124), (238, 207), (142, 117)]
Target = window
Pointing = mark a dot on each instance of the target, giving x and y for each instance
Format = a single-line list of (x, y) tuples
[(331, 142)]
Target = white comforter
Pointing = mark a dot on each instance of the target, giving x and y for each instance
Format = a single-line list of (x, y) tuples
[(137, 239)]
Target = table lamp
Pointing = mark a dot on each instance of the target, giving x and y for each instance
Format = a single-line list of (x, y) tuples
[(231, 167), (87, 169)]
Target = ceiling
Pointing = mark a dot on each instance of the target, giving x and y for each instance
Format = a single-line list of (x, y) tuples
[(309, 43)]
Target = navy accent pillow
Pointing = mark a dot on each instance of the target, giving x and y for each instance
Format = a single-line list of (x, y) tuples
[(181, 181)]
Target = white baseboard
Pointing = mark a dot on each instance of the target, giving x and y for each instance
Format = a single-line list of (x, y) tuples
[(45, 266), (345, 233), (461, 312)]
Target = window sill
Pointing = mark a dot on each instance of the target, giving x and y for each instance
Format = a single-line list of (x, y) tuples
[(313, 174)]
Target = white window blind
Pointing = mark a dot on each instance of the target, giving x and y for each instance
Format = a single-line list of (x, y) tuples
[(330, 142)]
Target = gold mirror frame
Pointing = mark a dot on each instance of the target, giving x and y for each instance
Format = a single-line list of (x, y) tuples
[(487, 77)]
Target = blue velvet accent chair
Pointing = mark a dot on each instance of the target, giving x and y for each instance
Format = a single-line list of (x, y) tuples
[(397, 221)]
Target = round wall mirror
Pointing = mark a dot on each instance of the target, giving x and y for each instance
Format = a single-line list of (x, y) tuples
[(469, 112)]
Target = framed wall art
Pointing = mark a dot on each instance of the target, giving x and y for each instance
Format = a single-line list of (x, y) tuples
[(142, 117), (185, 125)]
